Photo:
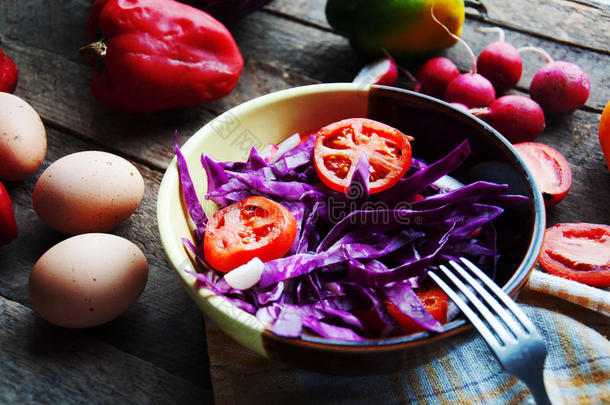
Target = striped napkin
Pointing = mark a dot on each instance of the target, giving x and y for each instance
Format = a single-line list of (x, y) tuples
[(572, 291), (461, 370)]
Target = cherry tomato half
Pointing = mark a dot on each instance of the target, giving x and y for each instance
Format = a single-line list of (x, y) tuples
[(579, 252), (434, 300), (8, 226), (252, 227), (339, 146), (550, 169)]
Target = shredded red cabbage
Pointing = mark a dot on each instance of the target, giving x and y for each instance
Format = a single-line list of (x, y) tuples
[(353, 252)]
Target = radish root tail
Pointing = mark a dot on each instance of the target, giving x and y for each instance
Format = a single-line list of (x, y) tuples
[(460, 40), (498, 30), (539, 51)]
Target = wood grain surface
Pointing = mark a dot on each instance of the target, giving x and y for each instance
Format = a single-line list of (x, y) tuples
[(159, 351)]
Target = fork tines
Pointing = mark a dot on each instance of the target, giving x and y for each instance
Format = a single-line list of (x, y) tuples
[(516, 324)]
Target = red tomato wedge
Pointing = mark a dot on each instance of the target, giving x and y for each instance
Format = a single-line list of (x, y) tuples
[(434, 300), (550, 169), (339, 146), (252, 227), (579, 252), (8, 226)]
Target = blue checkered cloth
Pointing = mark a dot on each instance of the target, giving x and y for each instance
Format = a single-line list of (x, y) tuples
[(461, 370)]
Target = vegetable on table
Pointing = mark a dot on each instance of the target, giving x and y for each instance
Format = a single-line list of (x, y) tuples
[(559, 87), (550, 169), (518, 118), (500, 62), (155, 55), (340, 145), (405, 29), (381, 71), (253, 227), (9, 74), (8, 225), (435, 75), (579, 252)]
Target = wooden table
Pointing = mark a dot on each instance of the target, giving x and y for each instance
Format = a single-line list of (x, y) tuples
[(158, 351)]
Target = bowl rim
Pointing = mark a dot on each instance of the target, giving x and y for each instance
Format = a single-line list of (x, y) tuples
[(179, 259)]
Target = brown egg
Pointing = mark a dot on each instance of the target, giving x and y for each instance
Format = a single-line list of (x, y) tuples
[(23, 140), (87, 280), (88, 191)]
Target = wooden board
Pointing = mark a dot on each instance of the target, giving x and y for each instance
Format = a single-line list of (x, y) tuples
[(157, 351), (46, 364)]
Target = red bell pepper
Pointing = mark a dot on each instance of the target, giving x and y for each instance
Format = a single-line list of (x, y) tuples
[(8, 226), (158, 55)]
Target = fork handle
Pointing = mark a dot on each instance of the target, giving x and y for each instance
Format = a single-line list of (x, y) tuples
[(536, 387)]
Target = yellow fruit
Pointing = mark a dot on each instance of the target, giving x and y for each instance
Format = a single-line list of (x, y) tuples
[(404, 28)]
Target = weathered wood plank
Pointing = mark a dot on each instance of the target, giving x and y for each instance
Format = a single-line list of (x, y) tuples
[(240, 376), (45, 364), (571, 22), (584, 24), (165, 326)]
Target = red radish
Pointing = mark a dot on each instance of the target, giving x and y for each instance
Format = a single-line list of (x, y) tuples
[(559, 87), (470, 89), (500, 62), (551, 171), (434, 76), (518, 118), (382, 71)]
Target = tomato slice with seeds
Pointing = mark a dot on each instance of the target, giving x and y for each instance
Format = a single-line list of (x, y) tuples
[(550, 169), (435, 301), (579, 252), (252, 227), (339, 146)]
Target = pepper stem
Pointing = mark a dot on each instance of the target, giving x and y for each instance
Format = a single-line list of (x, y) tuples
[(95, 50)]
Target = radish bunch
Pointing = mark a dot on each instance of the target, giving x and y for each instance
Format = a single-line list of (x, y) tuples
[(558, 87)]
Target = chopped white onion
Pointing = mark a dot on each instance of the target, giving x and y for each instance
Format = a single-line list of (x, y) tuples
[(245, 276), (269, 152)]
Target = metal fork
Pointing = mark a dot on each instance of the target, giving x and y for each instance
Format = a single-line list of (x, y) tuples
[(510, 334)]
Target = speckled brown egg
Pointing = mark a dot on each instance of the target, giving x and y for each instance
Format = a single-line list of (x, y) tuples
[(87, 280), (88, 191), (23, 139)]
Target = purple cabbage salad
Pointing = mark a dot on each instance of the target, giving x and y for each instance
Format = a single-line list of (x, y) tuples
[(353, 252)]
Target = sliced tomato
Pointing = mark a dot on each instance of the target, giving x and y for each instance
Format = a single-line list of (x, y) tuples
[(579, 252), (339, 146), (8, 226), (550, 169), (434, 300), (252, 227)]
